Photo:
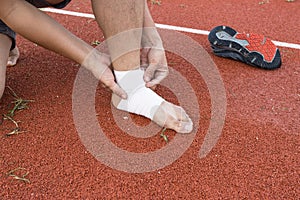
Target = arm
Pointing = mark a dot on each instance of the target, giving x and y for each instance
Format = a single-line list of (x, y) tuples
[(38, 27)]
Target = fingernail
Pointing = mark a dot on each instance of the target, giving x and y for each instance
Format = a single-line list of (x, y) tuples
[(124, 96), (189, 127), (149, 85)]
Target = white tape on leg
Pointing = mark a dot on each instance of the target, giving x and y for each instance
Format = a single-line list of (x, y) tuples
[(141, 100)]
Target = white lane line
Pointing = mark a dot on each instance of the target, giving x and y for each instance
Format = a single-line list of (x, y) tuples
[(66, 12), (285, 44), (183, 29), (162, 26)]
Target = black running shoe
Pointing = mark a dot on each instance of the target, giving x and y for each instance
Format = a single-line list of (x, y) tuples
[(253, 49)]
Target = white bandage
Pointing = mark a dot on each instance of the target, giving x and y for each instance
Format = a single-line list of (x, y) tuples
[(141, 100)]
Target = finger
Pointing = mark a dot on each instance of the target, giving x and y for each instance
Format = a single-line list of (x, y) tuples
[(152, 83), (159, 75), (144, 56), (108, 80), (155, 81), (149, 73), (153, 87), (116, 89)]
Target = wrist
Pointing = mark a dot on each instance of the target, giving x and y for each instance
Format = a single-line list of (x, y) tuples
[(151, 38)]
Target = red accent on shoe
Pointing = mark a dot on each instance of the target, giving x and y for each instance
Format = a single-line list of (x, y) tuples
[(260, 44)]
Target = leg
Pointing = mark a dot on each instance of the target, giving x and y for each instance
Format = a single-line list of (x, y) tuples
[(14, 52), (114, 18), (7, 42), (5, 45)]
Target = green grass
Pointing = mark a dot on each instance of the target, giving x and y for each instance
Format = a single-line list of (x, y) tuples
[(18, 105), (164, 136), (155, 2)]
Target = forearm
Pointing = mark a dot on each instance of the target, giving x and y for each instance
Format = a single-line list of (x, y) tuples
[(151, 36), (148, 20), (38, 27)]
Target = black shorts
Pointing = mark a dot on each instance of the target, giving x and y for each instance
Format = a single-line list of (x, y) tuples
[(44, 3), (4, 29)]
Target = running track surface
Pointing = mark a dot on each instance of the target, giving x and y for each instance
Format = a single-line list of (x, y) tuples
[(256, 157)]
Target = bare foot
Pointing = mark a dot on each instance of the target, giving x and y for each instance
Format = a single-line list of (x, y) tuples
[(13, 57), (167, 115), (173, 117), (144, 101)]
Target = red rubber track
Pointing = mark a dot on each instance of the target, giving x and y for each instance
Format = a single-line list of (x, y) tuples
[(257, 156)]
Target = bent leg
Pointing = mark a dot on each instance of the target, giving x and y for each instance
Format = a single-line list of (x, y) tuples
[(5, 44), (14, 53)]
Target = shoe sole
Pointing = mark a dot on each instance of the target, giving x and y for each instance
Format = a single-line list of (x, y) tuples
[(253, 49)]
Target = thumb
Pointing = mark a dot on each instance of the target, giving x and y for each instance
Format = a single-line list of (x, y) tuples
[(116, 89), (149, 72), (144, 57)]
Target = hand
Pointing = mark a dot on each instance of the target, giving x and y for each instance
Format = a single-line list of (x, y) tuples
[(108, 80), (98, 63), (154, 61)]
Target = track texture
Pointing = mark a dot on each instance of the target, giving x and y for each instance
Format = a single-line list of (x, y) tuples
[(257, 156)]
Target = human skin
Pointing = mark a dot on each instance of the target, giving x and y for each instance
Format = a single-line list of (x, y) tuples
[(114, 18), (5, 44), (129, 27)]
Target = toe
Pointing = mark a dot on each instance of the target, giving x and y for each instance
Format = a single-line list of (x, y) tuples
[(13, 57), (175, 118), (183, 127), (179, 126), (186, 127), (182, 115)]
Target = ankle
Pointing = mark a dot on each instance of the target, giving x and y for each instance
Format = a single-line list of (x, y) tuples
[(141, 100)]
